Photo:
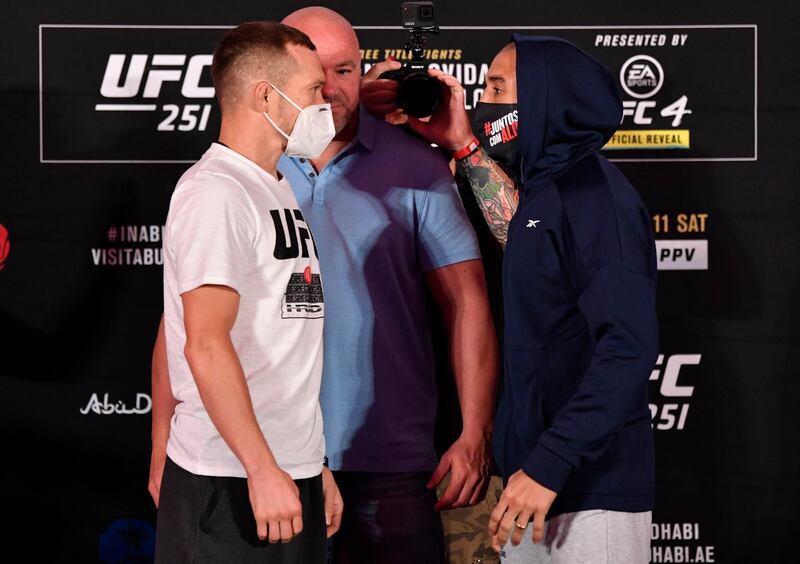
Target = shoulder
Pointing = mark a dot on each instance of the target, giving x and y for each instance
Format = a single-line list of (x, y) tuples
[(596, 190), (209, 183), (606, 216), (408, 151)]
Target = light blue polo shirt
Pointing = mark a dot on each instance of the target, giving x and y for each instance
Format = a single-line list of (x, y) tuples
[(383, 212)]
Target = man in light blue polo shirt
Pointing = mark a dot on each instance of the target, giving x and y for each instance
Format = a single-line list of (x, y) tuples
[(389, 227)]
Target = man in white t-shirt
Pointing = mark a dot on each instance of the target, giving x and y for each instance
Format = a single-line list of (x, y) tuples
[(242, 456)]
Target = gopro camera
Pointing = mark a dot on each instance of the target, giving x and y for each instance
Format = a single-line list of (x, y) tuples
[(419, 94)]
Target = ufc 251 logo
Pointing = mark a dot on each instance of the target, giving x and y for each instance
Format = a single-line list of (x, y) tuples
[(142, 77), (674, 375), (126, 93)]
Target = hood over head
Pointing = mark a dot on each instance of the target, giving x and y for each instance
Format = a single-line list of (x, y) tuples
[(568, 103)]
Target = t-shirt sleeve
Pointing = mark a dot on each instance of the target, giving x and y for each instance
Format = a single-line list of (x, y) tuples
[(212, 229), (445, 235)]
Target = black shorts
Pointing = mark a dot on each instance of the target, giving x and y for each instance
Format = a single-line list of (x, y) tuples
[(206, 519)]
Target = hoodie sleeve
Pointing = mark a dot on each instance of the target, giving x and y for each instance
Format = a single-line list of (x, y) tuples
[(615, 280)]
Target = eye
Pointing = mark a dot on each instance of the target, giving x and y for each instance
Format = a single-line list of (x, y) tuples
[(343, 72)]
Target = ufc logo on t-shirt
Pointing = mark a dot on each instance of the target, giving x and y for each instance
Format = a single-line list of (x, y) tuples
[(291, 225)]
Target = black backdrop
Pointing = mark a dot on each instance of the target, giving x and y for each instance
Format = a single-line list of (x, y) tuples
[(85, 186)]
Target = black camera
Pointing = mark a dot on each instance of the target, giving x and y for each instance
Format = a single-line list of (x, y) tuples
[(419, 93)]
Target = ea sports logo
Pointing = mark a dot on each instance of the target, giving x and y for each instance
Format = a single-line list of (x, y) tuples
[(641, 76)]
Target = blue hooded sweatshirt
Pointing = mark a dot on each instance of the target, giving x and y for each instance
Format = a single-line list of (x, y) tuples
[(579, 282)]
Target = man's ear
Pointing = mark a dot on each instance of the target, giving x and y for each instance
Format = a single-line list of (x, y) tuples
[(260, 95)]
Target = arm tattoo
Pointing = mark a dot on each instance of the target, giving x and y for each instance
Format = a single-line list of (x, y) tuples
[(495, 191)]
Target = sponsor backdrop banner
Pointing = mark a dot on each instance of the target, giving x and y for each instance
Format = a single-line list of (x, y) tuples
[(106, 104)]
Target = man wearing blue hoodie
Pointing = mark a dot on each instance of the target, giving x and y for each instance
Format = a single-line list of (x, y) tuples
[(573, 437)]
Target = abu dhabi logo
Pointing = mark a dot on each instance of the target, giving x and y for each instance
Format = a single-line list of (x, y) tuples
[(141, 406), (5, 246), (127, 541), (641, 76)]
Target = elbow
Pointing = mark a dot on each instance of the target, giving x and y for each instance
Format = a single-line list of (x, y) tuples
[(200, 352)]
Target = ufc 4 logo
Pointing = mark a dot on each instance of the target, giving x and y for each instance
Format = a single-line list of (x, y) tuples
[(153, 72)]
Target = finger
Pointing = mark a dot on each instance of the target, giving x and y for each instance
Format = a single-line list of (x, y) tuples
[(385, 107), (496, 544), (336, 522), (380, 85), (330, 505), (538, 527), (382, 109), (452, 492), (444, 464), (286, 531), (379, 68), (396, 117), (506, 524), (479, 494), (420, 127), (297, 524), (379, 97), (447, 79), (263, 529), (466, 492), (453, 85), (497, 515), (154, 491), (449, 496), (519, 532)]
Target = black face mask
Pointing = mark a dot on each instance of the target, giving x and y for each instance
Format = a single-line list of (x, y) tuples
[(496, 127)]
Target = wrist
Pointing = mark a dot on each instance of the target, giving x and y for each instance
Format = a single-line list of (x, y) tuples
[(466, 148), (261, 466), (477, 433)]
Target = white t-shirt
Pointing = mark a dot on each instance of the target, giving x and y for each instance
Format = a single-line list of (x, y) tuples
[(233, 224)]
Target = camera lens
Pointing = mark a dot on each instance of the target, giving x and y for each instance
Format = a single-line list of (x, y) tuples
[(419, 94)]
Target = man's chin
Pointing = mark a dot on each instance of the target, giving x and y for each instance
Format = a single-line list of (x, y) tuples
[(342, 120)]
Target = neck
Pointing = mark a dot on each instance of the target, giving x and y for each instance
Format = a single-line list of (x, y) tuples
[(258, 142), (342, 140)]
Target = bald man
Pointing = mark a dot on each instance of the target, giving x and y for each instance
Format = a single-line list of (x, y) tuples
[(237, 427), (391, 228)]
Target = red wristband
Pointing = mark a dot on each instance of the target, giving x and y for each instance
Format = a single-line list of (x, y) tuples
[(471, 147)]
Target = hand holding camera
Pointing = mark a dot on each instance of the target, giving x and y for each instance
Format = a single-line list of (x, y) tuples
[(449, 126), (379, 95)]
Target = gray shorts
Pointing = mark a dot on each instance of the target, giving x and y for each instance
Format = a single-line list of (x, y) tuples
[(598, 536)]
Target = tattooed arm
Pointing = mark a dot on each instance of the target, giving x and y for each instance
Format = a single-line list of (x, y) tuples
[(495, 191), (450, 129)]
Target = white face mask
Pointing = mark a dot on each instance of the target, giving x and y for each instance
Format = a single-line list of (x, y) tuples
[(312, 130)]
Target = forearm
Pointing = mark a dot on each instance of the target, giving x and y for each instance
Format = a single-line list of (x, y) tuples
[(223, 389), (496, 193), (163, 401), (473, 358), (473, 347)]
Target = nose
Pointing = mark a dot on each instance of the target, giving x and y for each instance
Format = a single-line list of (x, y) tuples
[(329, 89)]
